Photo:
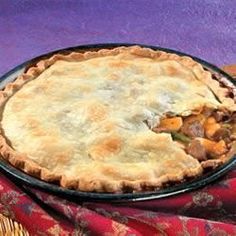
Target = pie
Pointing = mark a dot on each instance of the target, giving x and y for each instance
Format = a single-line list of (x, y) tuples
[(127, 119)]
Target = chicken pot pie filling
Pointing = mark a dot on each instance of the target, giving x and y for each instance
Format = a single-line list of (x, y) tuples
[(126, 119), (206, 135)]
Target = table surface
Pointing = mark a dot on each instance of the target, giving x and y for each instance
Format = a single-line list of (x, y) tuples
[(205, 28)]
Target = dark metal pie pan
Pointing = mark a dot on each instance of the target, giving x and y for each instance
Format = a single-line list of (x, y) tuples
[(21, 178)]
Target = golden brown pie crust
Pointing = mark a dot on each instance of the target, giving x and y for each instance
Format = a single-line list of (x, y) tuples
[(26, 164)]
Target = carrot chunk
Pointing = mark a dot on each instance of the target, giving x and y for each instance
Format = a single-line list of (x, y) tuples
[(211, 126), (171, 124), (213, 148)]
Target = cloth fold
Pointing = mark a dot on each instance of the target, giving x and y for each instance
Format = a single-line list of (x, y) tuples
[(207, 211)]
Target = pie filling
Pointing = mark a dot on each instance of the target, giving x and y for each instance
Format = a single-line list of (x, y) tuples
[(206, 134)]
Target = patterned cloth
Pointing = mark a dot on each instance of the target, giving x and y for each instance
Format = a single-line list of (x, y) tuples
[(207, 211)]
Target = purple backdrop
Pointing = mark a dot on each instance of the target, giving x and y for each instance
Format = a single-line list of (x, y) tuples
[(204, 28)]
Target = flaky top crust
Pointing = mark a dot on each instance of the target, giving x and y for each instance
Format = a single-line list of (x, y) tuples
[(99, 142)]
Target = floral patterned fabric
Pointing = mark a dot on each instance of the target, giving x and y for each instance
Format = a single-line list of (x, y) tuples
[(208, 211)]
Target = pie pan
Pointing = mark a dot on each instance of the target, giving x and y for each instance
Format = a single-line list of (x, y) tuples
[(20, 177)]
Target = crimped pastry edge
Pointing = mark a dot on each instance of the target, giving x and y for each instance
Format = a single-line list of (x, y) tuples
[(22, 162)]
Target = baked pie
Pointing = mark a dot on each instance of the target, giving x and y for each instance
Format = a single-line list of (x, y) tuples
[(117, 120)]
